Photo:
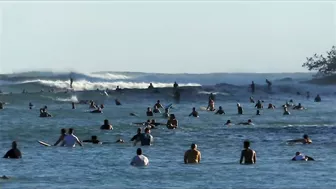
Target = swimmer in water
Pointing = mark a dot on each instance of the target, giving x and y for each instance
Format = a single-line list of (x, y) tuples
[(259, 105), (94, 140), (286, 112), (137, 136), (301, 157), (220, 110), (149, 112), (193, 155), (70, 139), (258, 112), (146, 138), (98, 110), (228, 122), (117, 102), (158, 105), (139, 159), (248, 155), (172, 123), (194, 113), (61, 138), (240, 109), (252, 100), (270, 106), (304, 140), (249, 122), (13, 153), (211, 105), (317, 98), (106, 126), (298, 107)]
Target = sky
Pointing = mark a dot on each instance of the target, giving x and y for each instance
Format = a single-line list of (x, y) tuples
[(164, 36)]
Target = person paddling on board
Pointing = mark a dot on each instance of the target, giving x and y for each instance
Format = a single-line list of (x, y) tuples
[(220, 110), (301, 157), (13, 153), (61, 138), (106, 126), (249, 122), (70, 139), (172, 123), (98, 110), (304, 140), (194, 113), (248, 155), (228, 122), (298, 107), (71, 81), (94, 140)]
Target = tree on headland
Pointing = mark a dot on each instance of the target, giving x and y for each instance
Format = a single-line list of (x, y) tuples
[(324, 66)]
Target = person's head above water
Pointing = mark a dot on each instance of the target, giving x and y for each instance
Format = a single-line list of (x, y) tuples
[(63, 131), (194, 109), (220, 107), (228, 121), (139, 130), (238, 105), (297, 153), (139, 151), (305, 136), (149, 109), (249, 121), (14, 145), (153, 121), (158, 101), (93, 138), (193, 146), (246, 144), (106, 122), (71, 130), (172, 116), (147, 130)]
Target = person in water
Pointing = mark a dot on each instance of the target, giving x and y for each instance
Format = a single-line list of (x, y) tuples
[(94, 140), (71, 81), (194, 113), (240, 109), (106, 126), (317, 98), (172, 123), (150, 86), (102, 106), (117, 102), (31, 105), (1, 105), (301, 157), (258, 112), (269, 84), (270, 106), (156, 110), (286, 112), (149, 112), (166, 113), (259, 105), (137, 136), (146, 138), (98, 110), (92, 105), (248, 155), (13, 153), (192, 155), (70, 139), (252, 87), (304, 140), (175, 85), (73, 105), (211, 105), (249, 122), (211, 97), (220, 110), (44, 113), (228, 122), (158, 104), (252, 100), (61, 138), (118, 88), (139, 159), (298, 107)]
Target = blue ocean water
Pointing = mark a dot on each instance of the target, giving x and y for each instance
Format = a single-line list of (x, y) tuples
[(107, 166)]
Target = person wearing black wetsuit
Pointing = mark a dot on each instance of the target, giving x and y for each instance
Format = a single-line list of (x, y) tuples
[(13, 153)]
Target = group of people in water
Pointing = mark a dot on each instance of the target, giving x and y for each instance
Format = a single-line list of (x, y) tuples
[(193, 155)]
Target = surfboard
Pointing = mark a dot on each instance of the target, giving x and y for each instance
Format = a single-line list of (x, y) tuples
[(168, 106), (43, 143)]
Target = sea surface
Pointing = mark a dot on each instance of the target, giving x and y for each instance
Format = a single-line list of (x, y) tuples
[(107, 165)]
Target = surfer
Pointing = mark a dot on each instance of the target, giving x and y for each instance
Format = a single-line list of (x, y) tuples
[(269, 84), (211, 97), (156, 110), (61, 138), (194, 113), (94, 140), (13, 153), (150, 86), (211, 105), (220, 110), (252, 87), (71, 81), (271, 106), (175, 85), (298, 107), (301, 157), (248, 155), (98, 110), (286, 112), (228, 122), (192, 155), (259, 105), (252, 100), (149, 112), (304, 140), (102, 106), (1, 105), (117, 102), (137, 136), (106, 126), (172, 123), (44, 113), (92, 105), (146, 138), (70, 139), (249, 122), (139, 159), (118, 88), (158, 105), (317, 98), (240, 109), (30, 105), (73, 105)]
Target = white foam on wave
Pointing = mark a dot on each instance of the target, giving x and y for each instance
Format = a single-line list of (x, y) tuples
[(88, 85), (108, 76), (73, 98)]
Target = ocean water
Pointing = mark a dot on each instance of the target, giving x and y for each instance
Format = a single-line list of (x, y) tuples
[(107, 165)]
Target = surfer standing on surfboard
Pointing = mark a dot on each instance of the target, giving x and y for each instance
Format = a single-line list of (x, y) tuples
[(71, 81)]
